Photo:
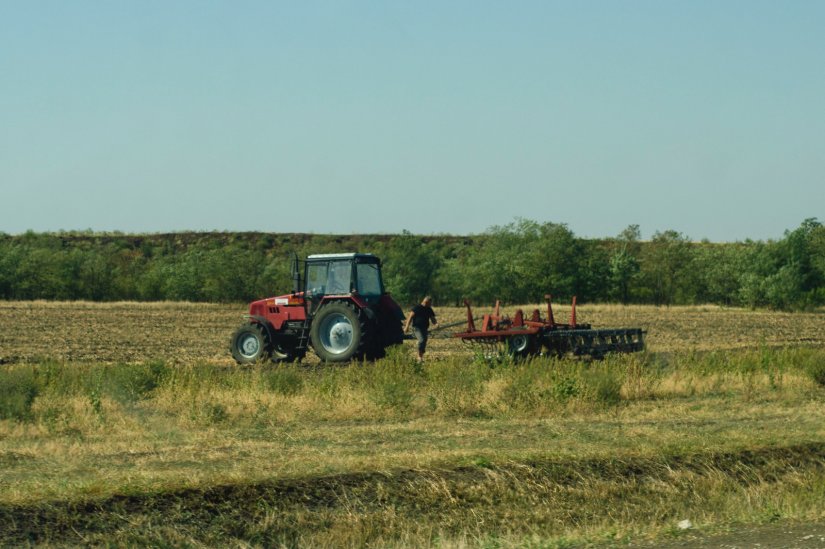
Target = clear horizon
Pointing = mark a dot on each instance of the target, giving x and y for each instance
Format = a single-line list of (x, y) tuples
[(361, 118)]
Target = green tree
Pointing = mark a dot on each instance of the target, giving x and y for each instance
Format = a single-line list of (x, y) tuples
[(230, 273), (665, 265), (624, 263), (96, 276), (409, 268), (796, 280), (522, 261), (183, 279), (10, 257), (276, 276), (593, 277), (38, 274), (718, 272)]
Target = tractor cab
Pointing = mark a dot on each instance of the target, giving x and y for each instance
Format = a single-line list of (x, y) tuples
[(340, 275)]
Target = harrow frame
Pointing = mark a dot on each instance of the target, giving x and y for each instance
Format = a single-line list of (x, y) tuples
[(527, 337)]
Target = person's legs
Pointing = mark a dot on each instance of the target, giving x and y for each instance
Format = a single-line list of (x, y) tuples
[(421, 336)]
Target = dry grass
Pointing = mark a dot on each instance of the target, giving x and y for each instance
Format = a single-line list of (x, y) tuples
[(206, 424), (720, 422)]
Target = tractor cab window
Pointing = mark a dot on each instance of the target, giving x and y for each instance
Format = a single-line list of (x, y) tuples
[(369, 279), (316, 278), (327, 278), (338, 277)]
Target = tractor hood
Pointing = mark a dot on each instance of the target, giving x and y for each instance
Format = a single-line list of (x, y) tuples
[(261, 306)]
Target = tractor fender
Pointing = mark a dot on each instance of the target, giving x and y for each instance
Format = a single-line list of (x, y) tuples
[(274, 334), (389, 306), (360, 305), (256, 319)]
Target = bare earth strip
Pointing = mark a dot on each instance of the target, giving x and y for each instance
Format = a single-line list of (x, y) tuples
[(554, 490)]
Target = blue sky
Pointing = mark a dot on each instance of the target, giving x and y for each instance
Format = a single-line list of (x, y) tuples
[(707, 118)]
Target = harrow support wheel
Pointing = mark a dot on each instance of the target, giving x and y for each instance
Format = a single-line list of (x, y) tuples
[(250, 344), (521, 345)]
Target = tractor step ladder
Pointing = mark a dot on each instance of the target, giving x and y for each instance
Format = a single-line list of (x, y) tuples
[(303, 337)]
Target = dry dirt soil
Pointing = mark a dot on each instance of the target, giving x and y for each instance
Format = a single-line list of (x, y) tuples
[(187, 332)]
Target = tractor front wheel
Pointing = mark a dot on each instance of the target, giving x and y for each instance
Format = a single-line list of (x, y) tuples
[(250, 344), (337, 333)]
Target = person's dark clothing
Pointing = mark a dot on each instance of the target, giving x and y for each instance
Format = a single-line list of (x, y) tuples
[(421, 336), (422, 315)]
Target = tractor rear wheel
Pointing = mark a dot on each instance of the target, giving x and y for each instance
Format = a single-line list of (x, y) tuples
[(250, 344), (337, 333)]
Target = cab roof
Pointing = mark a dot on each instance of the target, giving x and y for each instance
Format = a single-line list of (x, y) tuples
[(351, 255)]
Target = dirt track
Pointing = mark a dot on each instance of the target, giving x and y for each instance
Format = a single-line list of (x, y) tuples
[(771, 536)]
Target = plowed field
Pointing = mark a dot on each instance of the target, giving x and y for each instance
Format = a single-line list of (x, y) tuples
[(187, 332)]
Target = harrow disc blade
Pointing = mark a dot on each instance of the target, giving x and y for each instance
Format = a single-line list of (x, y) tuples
[(595, 343)]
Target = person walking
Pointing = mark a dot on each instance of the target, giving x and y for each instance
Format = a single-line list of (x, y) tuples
[(420, 317)]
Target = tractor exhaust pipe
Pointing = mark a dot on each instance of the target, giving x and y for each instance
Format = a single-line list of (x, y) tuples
[(296, 274)]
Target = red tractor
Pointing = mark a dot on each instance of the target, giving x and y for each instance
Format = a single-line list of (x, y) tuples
[(338, 307)]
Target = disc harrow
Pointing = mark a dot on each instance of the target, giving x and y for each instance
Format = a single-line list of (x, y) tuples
[(523, 337)]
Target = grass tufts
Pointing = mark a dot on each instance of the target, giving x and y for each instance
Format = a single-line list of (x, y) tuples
[(18, 389), (603, 386), (455, 387), (816, 371), (133, 382), (392, 383), (286, 380)]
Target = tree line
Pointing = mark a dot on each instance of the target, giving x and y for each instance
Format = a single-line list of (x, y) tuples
[(517, 263)]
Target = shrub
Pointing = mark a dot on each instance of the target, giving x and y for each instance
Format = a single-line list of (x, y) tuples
[(329, 384), (604, 387), (523, 391), (816, 371), (456, 387), (209, 413), (133, 382), (565, 388), (392, 383), (58, 379), (284, 381), (18, 389), (92, 387)]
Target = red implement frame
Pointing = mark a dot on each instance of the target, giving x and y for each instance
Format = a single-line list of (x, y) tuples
[(495, 325), (524, 338)]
